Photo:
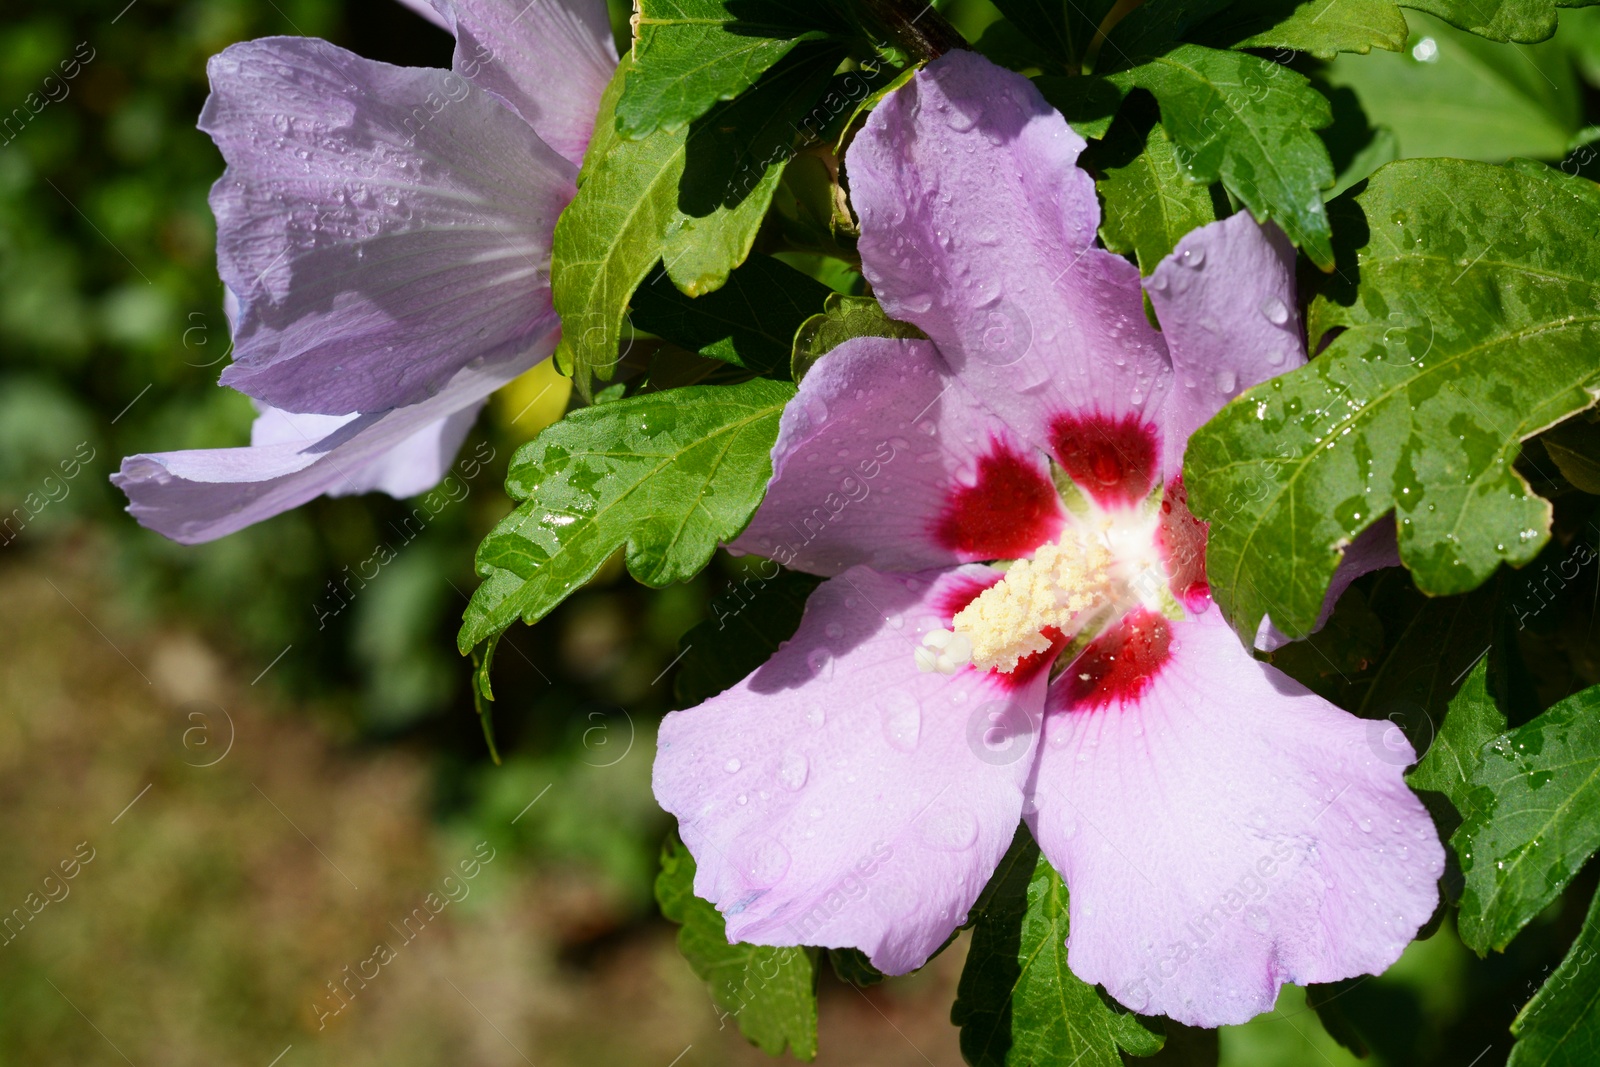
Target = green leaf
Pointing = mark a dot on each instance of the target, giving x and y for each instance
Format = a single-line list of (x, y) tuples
[(749, 322), (1560, 1026), (1532, 819), (1453, 94), (750, 618), (1473, 721), (734, 158), (689, 54), (770, 992), (1017, 1002), (1150, 200), (1323, 28), (1524, 21), (663, 198), (1250, 123), (668, 475), (1470, 326), (609, 237), (842, 318)]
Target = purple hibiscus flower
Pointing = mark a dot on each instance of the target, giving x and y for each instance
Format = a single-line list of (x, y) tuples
[(384, 235), (1222, 830)]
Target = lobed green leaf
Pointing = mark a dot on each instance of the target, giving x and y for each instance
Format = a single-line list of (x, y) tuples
[(1150, 200), (1560, 1026), (1467, 300), (693, 198), (1532, 819), (1472, 722), (689, 54), (1251, 124), (665, 475), (843, 318)]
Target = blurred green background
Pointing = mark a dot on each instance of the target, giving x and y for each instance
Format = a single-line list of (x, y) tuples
[(297, 784)]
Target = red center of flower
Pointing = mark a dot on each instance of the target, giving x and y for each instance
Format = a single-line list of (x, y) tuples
[(1120, 663), (1008, 512), (1182, 540), (1111, 459)]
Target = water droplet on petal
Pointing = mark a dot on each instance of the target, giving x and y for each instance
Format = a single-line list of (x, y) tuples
[(819, 661), (1193, 258), (732, 766), (950, 830), (1276, 311), (762, 860), (792, 771)]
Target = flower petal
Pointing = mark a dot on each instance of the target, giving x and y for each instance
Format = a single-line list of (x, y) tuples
[(426, 10), (978, 226), (413, 466), (548, 59), (382, 226), (1225, 298), (837, 796), (883, 459), (204, 494), (1223, 830)]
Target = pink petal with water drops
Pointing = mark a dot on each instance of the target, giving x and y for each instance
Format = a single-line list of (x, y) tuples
[(840, 797), (383, 226), (978, 226), (1225, 299), (1223, 830), (884, 460)]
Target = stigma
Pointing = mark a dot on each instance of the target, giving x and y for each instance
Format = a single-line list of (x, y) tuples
[(1058, 590)]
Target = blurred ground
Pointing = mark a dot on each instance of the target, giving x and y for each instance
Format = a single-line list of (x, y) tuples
[(220, 899)]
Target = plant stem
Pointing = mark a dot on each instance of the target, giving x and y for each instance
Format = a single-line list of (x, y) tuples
[(916, 26)]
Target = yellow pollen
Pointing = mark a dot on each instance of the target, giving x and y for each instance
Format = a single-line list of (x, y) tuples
[(1055, 588)]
